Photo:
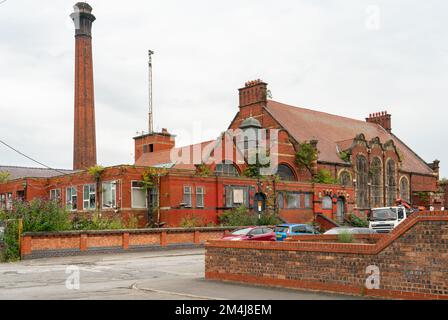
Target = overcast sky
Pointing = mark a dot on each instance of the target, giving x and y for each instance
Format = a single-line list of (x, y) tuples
[(347, 57)]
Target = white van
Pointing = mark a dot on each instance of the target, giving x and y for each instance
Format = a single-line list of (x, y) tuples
[(384, 220)]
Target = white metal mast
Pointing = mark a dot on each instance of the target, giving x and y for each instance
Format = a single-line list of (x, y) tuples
[(150, 116)]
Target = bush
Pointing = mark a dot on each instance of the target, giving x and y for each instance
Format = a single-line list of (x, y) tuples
[(346, 237), (324, 176), (96, 222), (269, 220), (358, 222), (237, 217), (242, 217), (191, 221), (11, 251)]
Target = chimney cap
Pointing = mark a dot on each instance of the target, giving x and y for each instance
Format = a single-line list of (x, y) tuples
[(83, 7)]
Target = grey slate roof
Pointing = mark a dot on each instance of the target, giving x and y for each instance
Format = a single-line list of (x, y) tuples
[(28, 172)]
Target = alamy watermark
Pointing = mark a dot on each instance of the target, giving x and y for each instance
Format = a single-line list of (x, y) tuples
[(74, 277)]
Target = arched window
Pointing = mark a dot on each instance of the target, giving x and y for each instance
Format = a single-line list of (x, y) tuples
[(404, 189), (362, 180), (391, 178), (285, 173), (327, 203), (226, 169), (376, 171), (345, 179)]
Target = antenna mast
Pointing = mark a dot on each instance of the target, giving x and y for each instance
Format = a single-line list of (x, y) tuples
[(150, 117)]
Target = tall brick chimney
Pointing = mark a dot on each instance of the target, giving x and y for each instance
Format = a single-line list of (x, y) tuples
[(84, 146), (252, 98), (383, 118)]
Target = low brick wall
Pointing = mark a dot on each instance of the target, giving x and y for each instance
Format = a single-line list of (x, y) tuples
[(51, 244), (358, 238), (412, 262)]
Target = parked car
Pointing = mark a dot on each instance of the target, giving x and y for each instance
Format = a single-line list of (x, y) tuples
[(283, 231), (351, 230), (251, 234)]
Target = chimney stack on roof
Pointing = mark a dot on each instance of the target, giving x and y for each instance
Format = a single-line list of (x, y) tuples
[(253, 92), (382, 118)]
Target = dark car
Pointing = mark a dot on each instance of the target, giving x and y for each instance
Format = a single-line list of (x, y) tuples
[(251, 233)]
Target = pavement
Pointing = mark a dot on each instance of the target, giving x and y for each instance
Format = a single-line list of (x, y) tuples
[(173, 275)]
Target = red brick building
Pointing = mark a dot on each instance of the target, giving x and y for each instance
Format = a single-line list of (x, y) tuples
[(371, 165), (367, 165)]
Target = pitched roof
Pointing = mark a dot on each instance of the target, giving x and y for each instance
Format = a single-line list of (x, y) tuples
[(335, 132), (29, 172), (163, 158)]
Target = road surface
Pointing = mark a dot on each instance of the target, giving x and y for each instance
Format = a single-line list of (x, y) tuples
[(176, 274)]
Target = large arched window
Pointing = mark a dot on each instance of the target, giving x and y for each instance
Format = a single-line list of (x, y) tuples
[(285, 173), (376, 171), (345, 179), (404, 189), (226, 169), (362, 180), (391, 178)]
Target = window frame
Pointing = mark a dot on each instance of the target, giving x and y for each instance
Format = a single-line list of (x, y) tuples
[(200, 195), (134, 188), (362, 182), (391, 179), (187, 198), (376, 183), (59, 193), (90, 193), (113, 190), (69, 196), (327, 205)]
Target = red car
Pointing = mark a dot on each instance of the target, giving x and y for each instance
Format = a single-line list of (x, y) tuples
[(251, 233)]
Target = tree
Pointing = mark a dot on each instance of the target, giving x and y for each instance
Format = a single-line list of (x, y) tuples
[(151, 179), (4, 176), (306, 156), (97, 171)]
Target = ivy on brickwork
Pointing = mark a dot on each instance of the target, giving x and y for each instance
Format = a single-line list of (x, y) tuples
[(4, 176), (306, 156), (151, 177), (96, 171)]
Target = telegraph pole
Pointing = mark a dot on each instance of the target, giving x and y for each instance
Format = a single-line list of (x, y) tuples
[(150, 115)]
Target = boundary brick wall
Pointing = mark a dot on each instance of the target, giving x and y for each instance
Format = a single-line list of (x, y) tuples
[(412, 260), (53, 244)]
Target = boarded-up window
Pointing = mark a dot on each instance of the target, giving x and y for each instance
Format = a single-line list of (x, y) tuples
[(362, 180), (391, 183), (376, 172)]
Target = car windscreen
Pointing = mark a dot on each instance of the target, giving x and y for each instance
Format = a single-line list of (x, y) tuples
[(383, 214), (241, 232), (281, 229)]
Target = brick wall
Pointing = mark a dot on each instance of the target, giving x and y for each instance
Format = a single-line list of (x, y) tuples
[(413, 262), (50, 244)]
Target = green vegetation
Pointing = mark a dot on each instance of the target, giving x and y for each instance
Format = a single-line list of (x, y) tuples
[(306, 155), (324, 176), (345, 156), (4, 176), (48, 216), (242, 217), (346, 237), (192, 221), (96, 171), (357, 222), (202, 170)]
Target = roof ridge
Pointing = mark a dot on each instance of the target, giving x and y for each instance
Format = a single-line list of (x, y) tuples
[(23, 167), (323, 112)]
